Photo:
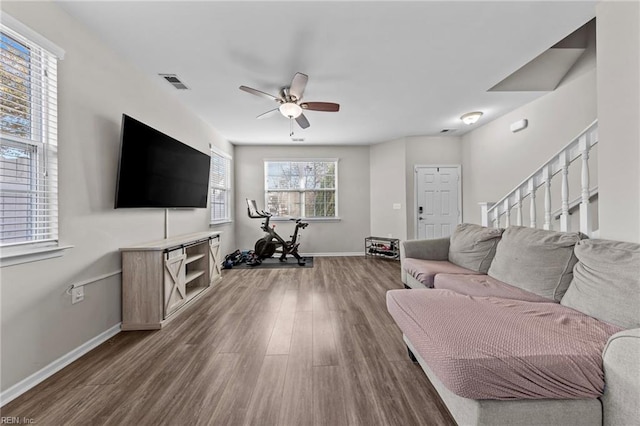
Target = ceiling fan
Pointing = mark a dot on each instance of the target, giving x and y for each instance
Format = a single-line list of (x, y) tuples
[(289, 101)]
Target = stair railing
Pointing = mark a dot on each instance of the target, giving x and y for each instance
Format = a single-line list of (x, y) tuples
[(494, 214)]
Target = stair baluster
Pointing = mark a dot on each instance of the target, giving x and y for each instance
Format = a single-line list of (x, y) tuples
[(564, 166), (532, 205), (518, 207), (585, 213), (507, 214), (547, 198), (579, 147)]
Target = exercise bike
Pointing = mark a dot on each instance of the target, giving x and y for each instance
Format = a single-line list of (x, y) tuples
[(273, 243)]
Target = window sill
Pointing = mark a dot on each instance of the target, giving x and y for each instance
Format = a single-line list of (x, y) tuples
[(306, 219), (26, 255), (220, 222)]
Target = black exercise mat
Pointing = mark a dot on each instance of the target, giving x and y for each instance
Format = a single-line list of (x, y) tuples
[(274, 263)]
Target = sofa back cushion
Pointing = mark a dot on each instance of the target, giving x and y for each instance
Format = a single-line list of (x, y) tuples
[(606, 282), (536, 260), (473, 246)]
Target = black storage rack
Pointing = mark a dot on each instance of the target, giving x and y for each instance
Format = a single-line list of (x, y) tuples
[(381, 247)]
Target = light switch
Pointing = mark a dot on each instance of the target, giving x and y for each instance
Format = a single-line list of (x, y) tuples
[(397, 206)]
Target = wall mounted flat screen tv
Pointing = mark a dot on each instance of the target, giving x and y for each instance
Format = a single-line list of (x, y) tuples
[(156, 170)]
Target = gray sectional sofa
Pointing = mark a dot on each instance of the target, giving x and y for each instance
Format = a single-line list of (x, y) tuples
[(524, 326)]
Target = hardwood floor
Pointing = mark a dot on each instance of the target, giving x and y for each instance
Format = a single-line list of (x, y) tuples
[(312, 346)]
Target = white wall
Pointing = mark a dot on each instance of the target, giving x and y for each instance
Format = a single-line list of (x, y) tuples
[(425, 151), (388, 187), (494, 160), (618, 31), (392, 179), (344, 236), (39, 324)]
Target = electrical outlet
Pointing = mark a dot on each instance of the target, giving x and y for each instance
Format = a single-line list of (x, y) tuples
[(77, 295)]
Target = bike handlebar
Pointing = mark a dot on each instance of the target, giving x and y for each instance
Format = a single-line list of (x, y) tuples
[(254, 213)]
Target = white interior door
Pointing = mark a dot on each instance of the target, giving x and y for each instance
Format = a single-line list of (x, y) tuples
[(437, 201)]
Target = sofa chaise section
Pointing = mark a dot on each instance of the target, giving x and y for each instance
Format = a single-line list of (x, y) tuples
[(524, 412), (582, 281), (492, 348)]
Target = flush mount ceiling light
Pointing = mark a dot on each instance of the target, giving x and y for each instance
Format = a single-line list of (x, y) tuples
[(471, 117), (290, 110)]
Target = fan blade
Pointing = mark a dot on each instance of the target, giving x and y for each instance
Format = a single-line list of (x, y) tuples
[(302, 121), (321, 106), (298, 85), (260, 93), (268, 114)]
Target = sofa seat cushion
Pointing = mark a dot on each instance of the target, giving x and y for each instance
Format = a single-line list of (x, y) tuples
[(484, 286), (425, 270), (492, 348)]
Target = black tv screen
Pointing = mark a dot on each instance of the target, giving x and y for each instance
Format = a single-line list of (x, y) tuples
[(156, 170)]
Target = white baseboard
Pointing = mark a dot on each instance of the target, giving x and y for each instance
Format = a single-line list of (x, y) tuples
[(341, 254), (24, 385)]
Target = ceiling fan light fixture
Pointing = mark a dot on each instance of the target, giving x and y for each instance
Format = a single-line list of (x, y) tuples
[(471, 117), (290, 109)]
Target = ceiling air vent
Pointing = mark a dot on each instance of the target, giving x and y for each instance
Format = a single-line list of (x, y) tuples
[(174, 81), (297, 139)]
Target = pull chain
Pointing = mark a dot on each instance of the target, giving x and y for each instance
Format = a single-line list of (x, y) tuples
[(290, 126)]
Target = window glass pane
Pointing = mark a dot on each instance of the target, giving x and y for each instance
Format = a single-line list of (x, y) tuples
[(218, 171), (301, 188), (220, 187), (285, 175), (278, 168), (320, 204), (18, 200), (284, 204), (328, 182), (15, 110)]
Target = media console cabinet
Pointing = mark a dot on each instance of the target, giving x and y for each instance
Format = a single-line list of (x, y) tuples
[(162, 278)]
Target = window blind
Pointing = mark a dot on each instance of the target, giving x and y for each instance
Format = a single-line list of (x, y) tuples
[(28, 141), (220, 187)]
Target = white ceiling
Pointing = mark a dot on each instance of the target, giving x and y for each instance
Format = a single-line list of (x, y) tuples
[(396, 68)]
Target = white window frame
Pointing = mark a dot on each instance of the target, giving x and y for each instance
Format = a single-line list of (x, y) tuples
[(225, 187), (43, 93), (275, 217)]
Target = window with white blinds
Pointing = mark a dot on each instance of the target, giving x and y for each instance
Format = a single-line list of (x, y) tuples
[(220, 187), (28, 142)]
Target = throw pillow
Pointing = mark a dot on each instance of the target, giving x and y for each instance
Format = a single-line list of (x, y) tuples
[(474, 246), (536, 260), (606, 282)]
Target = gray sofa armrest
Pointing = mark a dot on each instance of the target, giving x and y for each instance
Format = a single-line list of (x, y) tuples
[(437, 249), (621, 361)]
